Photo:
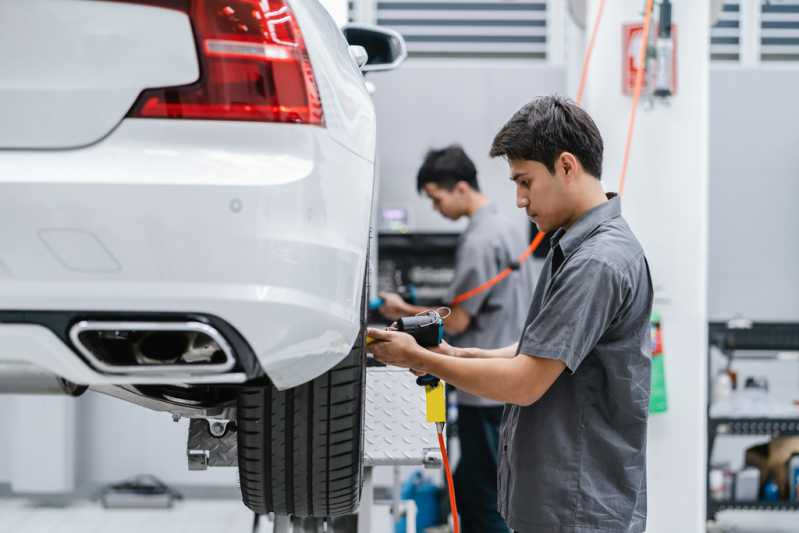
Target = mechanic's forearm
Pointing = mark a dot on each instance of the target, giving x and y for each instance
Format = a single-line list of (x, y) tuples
[(495, 378), (506, 352), (457, 322)]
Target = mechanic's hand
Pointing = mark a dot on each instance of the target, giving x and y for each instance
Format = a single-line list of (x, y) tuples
[(393, 307), (445, 349), (393, 347)]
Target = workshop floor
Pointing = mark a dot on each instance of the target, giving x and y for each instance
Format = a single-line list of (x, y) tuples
[(229, 516), (194, 516)]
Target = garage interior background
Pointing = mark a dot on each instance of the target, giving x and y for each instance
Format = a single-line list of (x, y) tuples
[(710, 190)]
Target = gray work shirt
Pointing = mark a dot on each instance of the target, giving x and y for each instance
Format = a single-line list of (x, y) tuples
[(489, 245), (575, 461)]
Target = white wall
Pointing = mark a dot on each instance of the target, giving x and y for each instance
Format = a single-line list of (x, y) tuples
[(754, 186), (117, 440), (57, 445), (431, 104), (43, 445), (37, 447), (6, 416), (666, 204)]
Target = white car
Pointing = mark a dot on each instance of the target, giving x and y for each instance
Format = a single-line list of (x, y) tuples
[(185, 200)]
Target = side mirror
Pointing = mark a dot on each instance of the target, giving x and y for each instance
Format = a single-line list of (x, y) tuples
[(385, 48)]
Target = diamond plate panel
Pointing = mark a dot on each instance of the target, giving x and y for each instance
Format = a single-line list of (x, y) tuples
[(396, 430), (204, 450)]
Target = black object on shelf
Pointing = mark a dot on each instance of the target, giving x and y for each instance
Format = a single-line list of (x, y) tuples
[(730, 338)]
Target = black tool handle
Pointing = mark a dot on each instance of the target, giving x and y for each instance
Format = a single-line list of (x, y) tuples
[(427, 379), (423, 328)]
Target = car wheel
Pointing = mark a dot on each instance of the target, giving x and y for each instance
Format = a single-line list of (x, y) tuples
[(301, 450)]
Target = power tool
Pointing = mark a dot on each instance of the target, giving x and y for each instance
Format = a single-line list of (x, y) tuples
[(428, 331)]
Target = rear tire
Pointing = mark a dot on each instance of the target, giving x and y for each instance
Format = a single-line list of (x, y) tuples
[(301, 450)]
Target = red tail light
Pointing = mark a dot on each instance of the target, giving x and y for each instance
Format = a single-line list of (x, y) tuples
[(253, 64)]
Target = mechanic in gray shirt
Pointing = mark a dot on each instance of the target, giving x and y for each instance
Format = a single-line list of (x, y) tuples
[(573, 438), (490, 243)]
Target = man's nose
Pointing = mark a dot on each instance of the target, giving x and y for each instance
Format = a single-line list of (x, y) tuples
[(521, 201)]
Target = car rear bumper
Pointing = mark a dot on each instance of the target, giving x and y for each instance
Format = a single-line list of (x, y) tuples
[(264, 226)]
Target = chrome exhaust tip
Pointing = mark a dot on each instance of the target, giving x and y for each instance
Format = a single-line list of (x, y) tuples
[(147, 348)]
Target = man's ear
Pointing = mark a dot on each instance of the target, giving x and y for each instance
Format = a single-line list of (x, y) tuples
[(462, 187), (569, 164)]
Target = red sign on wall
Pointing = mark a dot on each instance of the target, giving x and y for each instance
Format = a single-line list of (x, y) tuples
[(631, 47)]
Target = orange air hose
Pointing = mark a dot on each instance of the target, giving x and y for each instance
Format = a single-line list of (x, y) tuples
[(588, 52), (639, 81), (452, 503)]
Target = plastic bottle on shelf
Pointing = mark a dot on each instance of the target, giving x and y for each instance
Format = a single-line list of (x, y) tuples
[(716, 482), (793, 476), (771, 491), (722, 386)]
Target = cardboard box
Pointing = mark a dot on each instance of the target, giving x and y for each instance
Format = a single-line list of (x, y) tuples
[(771, 460)]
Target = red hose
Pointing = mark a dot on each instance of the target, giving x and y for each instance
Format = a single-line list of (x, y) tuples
[(453, 505)]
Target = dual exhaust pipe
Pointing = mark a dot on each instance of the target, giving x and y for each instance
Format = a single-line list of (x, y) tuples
[(129, 348), (148, 348)]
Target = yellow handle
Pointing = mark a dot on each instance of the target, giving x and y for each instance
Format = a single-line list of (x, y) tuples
[(436, 398)]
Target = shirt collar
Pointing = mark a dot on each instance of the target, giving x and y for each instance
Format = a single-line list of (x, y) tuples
[(570, 239)]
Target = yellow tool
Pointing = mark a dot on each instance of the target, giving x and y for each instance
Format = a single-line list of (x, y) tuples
[(436, 400)]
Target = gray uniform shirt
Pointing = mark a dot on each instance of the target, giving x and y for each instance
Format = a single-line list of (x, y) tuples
[(575, 461), (488, 246)]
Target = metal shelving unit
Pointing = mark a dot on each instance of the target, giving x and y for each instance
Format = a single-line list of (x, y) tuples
[(713, 507), (754, 426), (782, 340)]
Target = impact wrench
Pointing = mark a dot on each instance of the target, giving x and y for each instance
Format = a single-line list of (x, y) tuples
[(428, 331)]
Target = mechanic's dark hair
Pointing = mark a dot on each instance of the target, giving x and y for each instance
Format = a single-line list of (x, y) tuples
[(446, 167), (547, 127)]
